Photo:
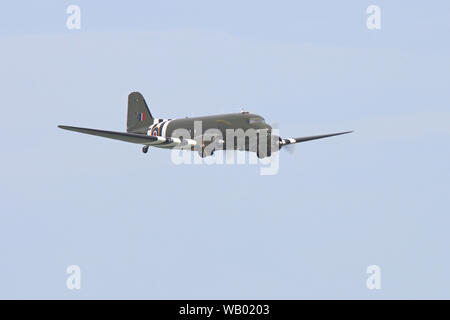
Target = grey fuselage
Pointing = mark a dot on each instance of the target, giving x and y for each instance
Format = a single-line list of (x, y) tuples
[(220, 123)]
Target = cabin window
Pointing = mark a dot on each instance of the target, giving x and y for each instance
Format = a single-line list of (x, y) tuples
[(256, 120)]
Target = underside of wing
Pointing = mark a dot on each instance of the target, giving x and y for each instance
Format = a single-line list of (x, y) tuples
[(123, 136), (303, 139), (144, 139)]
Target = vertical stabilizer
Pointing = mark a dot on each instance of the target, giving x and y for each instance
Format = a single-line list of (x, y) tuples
[(139, 118)]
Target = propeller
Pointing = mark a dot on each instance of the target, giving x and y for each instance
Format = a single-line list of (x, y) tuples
[(286, 145), (282, 143), (290, 148)]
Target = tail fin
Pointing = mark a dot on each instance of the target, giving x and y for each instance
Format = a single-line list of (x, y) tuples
[(139, 118)]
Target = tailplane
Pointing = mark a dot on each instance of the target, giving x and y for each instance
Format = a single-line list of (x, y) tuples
[(139, 118)]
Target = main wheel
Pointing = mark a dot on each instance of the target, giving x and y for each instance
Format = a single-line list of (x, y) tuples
[(264, 154), (202, 154), (260, 154), (144, 149)]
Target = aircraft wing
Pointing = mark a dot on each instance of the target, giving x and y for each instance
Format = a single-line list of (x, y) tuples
[(123, 136), (144, 139), (303, 139)]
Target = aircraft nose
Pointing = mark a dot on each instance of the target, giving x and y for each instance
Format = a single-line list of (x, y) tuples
[(264, 126), (267, 127)]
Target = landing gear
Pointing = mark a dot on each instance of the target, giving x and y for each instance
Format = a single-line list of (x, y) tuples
[(202, 153), (262, 155), (145, 149)]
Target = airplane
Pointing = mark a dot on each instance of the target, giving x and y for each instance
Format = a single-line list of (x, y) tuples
[(144, 129)]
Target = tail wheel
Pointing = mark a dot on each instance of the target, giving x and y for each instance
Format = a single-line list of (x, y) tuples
[(145, 149)]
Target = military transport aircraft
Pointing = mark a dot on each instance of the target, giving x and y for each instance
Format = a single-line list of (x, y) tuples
[(144, 129)]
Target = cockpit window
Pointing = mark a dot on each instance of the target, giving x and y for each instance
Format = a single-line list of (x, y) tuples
[(256, 120)]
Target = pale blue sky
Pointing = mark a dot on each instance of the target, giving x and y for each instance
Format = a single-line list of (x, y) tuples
[(141, 227)]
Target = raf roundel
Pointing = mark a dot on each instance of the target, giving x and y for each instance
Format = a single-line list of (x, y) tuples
[(155, 131)]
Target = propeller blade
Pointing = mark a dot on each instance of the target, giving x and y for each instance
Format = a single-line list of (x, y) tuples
[(290, 148)]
